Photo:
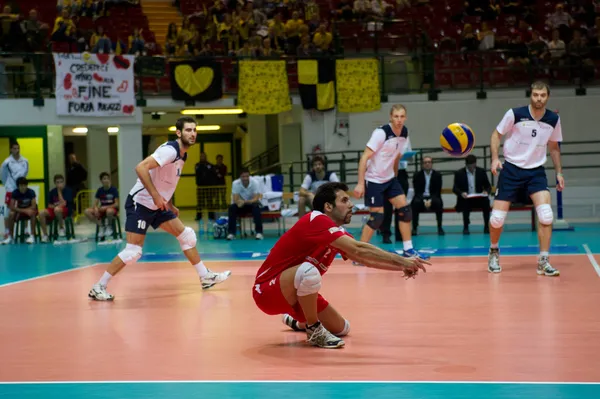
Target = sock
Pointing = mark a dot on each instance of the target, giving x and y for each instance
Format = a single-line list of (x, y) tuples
[(105, 278), (544, 253), (494, 245), (202, 270), (314, 326), (407, 245)]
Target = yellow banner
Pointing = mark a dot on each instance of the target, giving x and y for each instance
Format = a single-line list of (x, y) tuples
[(357, 85), (263, 87)]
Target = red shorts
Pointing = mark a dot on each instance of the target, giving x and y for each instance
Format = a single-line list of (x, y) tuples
[(270, 300), (7, 198), (51, 215), (102, 212)]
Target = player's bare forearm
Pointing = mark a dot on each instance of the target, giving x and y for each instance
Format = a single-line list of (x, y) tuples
[(555, 155), (396, 163), (377, 258), (495, 144), (143, 172), (362, 165)]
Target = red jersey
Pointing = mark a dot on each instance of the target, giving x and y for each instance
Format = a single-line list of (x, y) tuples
[(307, 241)]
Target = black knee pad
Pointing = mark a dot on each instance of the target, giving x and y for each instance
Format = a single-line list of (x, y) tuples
[(375, 220), (404, 214)]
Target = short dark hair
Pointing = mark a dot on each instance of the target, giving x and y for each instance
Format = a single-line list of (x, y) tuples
[(244, 170), (14, 143), (327, 193), (57, 177), (539, 85), (22, 180), (470, 159), (318, 158), (104, 174), (183, 120), (219, 156)]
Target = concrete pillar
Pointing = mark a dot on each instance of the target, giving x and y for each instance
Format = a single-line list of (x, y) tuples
[(56, 153), (98, 155), (129, 149), (256, 139)]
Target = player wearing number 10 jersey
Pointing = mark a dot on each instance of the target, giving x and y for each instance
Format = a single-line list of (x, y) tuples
[(529, 132), (149, 204), (289, 280)]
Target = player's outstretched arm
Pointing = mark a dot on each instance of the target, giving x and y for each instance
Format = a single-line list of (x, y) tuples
[(375, 257), (143, 171)]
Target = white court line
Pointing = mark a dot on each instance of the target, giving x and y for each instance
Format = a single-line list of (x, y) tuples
[(48, 275), (590, 256), (299, 382)]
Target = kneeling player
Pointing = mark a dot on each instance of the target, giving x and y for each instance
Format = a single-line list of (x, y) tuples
[(289, 280)]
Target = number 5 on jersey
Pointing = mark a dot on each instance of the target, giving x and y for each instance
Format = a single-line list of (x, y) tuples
[(533, 132)]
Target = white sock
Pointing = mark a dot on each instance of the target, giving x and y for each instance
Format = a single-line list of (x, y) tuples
[(105, 278), (494, 245), (544, 253), (202, 270), (407, 245)]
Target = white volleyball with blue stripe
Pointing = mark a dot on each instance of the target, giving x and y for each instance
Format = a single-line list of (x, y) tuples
[(457, 139)]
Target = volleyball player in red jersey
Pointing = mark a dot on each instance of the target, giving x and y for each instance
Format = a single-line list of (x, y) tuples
[(289, 280)]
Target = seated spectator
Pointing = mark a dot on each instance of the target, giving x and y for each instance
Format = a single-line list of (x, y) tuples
[(137, 45), (292, 32), (306, 48), (468, 41), (23, 205), (100, 42), (60, 205), (362, 9), (35, 32), (277, 32), (322, 39), (518, 53), (427, 184), (580, 56), (171, 39), (561, 21), (312, 181), (106, 205), (246, 199), (64, 28), (538, 49), (468, 182), (486, 37), (9, 29), (381, 9)]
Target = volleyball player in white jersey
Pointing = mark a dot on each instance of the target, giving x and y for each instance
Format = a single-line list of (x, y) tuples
[(529, 131), (377, 179), (149, 203)]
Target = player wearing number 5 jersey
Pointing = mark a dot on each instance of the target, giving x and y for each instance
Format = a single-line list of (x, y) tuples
[(529, 132), (149, 203)]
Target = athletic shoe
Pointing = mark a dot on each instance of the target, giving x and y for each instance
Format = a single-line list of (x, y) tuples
[(545, 268), (413, 253), (213, 278), (291, 322), (98, 293), (494, 261), (30, 240), (319, 336)]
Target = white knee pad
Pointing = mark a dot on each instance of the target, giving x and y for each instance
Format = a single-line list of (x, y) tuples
[(307, 280), (345, 331), (131, 254), (187, 239), (497, 218), (545, 215)]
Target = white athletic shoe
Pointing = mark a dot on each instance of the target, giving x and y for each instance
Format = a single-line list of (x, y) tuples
[(98, 293), (319, 336), (213, 278), (6, 241), (494, 261), (230, 237), (30, 240), (545, 268), (259, 236)]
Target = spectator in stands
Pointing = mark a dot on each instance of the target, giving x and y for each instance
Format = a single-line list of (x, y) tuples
[(35, 32), (312, 181), (246, 199), (559, 18), (205, 176), (64, 28), (256, 14), (171, 39), (518, 53), (9, 29), (277, 32), (491, 12), (225, 32), (292, 31), (106, 205), (306, 48), (469, 182), (362, 9), (579, 57), (137, 45), (22, 205), (344, 10), (322, 39), (60, 205), (538, 49), (486, 37), (381, 9), (557, 50), (267, 50), (217, 11), (468, 41), (100, 42), (427, 184)]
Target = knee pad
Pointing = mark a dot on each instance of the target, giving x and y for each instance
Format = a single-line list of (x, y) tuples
[(497, 218), (545, 214), (187, 239), (346, 329), (404, 214), (375, 221), (131, 254), (307, 280)]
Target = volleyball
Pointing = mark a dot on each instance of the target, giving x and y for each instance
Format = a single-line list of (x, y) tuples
[(457, 139)]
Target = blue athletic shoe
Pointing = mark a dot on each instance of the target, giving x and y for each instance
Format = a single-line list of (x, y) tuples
[(412, 253)]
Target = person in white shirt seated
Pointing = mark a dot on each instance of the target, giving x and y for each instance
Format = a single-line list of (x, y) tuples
[(246, 199), (468, 182), (312, 181)]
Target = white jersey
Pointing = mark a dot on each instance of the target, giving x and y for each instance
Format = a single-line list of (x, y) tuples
[(164, 178), (312, 183), (386, 147), (11, 170), (527, 139)]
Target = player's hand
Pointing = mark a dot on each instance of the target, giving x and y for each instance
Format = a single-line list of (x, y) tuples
[(160, 202), (560, 182), (413, 265), (496, 164), (359, 190), (464, 195), (174, 209)]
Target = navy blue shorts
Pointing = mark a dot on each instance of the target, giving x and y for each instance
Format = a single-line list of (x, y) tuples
[(139, 218), (377, 193), (514, 182)]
